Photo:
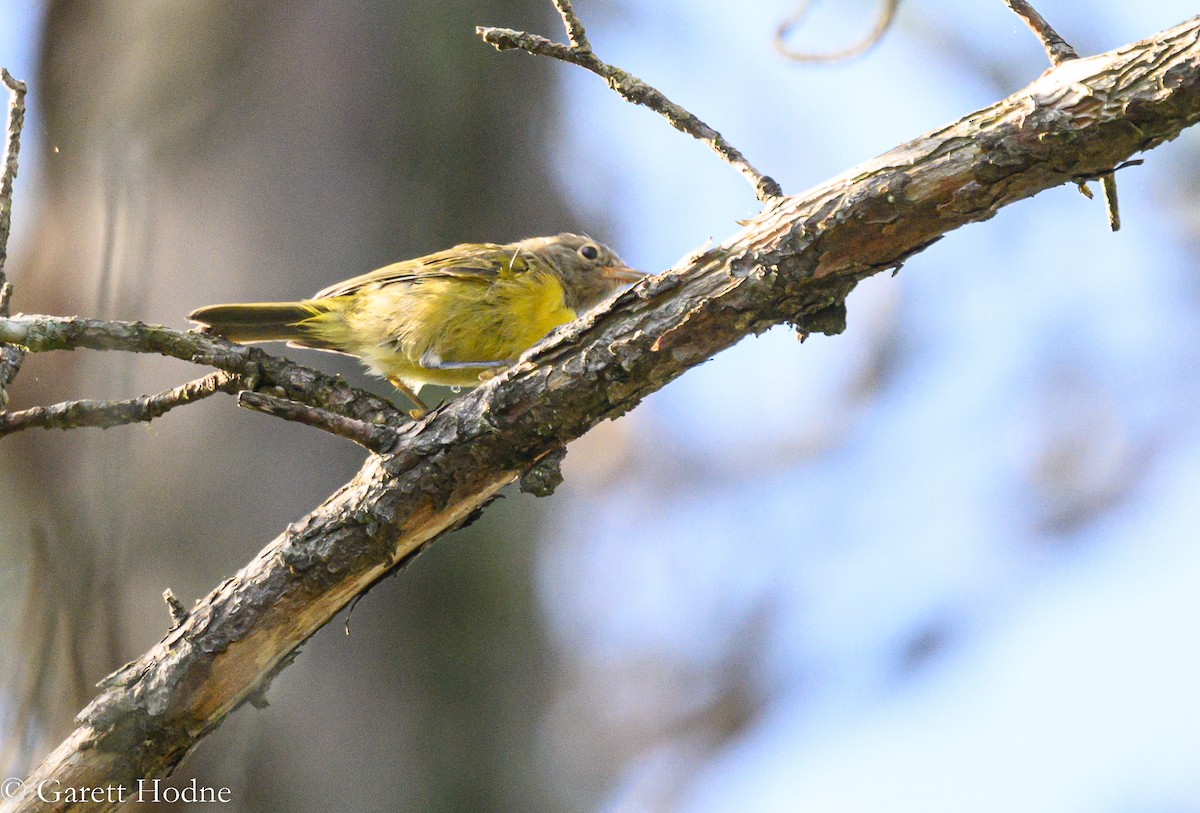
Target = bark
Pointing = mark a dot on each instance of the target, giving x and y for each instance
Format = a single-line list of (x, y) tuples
[(795, 262)]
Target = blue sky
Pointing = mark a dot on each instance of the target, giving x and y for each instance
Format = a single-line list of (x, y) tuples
[(1022, 483)]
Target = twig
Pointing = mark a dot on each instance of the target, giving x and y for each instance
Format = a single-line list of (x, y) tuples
[(1108, 187), (256, 367), (105, 414), (370, 436), (1108, 183), (886, 15), (575, 31), (175, 607), (10, 357), (1057, 49), (16, 121), (629, 87)]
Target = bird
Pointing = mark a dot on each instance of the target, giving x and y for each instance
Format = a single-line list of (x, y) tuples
[(453, 318)]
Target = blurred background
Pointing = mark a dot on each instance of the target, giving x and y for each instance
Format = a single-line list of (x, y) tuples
[(946, 561)]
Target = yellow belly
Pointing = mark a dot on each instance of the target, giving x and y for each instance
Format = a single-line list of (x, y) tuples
[(457, 320)]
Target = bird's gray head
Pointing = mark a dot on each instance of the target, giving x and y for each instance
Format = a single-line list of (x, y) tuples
[(588, 270)]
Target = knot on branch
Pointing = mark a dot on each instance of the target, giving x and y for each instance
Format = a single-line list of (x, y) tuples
[(829, 321), (545, 475)]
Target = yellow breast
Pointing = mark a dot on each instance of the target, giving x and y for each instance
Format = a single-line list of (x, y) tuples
[(453, 319)]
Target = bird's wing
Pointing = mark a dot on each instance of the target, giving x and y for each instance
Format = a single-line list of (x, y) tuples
[(476, 262)]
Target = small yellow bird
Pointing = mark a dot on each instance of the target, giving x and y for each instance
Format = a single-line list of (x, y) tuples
[(448, 318)]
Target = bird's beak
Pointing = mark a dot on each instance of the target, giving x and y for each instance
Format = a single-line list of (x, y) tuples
[(622, 275)]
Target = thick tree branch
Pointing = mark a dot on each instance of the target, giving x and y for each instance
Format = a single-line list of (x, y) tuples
[(629, 87), (798, 259)]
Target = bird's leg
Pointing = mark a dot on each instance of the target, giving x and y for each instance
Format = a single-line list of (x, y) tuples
[(432, 361), (487, 369), (419, 412)]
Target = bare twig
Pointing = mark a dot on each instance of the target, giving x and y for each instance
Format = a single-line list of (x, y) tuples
[(254, 366), (575, 32), (16, 121), (1108, 183), (1108, 187), (886, 15), (175, 607), (10, 357), (1057, 49), (629, 87), (105, 414), (370, 436)]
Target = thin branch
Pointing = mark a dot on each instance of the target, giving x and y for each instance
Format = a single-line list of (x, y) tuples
[(175, 607), (1057, 49), (630, 88), (886, 16), (797, 258), (1108, 183), (255, 367), (106, 414), (370, 436), (1108, 187), (576, 34), (10, 357), (8, 176)]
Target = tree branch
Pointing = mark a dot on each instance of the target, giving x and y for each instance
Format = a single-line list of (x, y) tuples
[(1057, 49), (576, 34), (629, 87), (1108, 183), (8, 174), (370, 436), (105, 414), (254, 367), (798, 259), (10, 357)]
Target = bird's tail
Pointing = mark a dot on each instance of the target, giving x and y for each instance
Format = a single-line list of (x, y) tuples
[(261, 321)]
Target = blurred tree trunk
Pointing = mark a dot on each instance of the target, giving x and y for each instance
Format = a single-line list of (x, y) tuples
[(197, 151)]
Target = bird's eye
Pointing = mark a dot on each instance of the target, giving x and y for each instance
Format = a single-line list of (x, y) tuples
[(589, 252)]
